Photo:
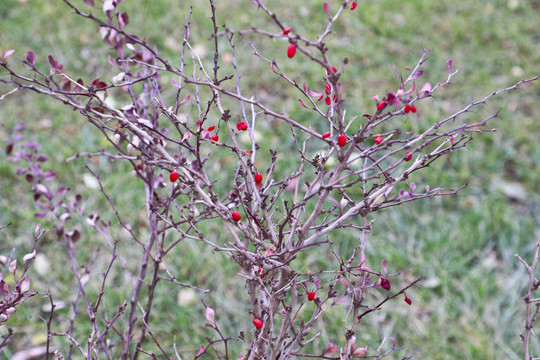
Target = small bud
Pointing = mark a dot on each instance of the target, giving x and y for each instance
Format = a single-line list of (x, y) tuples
[(378, 139), (342, 140), (258, 323), (311, 295), (173, 176), (236, 216), (291, 51)]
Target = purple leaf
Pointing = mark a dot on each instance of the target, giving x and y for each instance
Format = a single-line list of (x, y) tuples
[(327, 10), (201, 351), (449, 65), (31, 57), (89, 2), (29, 178), (123, 19), (9, 148), (49, 175), (392, 99), (302, 103), (55, 65), (185, 100), (427, 189), (40, 215), (383, 266), (413, 186), (331, 349), (31, 145), (417, 74)]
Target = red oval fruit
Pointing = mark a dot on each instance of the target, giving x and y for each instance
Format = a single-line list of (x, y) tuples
[(258, 323), (236, 216), (413, 108), (211, 128), (342, 140), (258, 177), (408, 156), (381, 105), (353, 5), (291, 51), (286, 31), (328, 100), (311, 295), (326, 135), (378, 139), (215, 137), (173, 176), (407, 108)]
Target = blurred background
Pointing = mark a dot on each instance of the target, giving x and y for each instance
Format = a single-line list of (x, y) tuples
[(469, 305)]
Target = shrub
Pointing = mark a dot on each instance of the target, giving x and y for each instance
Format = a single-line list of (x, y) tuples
[(177, 125)]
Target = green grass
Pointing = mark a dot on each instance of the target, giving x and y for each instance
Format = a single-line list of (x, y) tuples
[(468, 307)]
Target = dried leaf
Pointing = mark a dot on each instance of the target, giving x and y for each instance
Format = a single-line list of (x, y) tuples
[(7, 54), (30, 256), (210, 315)]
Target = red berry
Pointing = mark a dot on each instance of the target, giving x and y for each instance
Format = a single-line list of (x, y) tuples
[(258, 323), (261, 273), (408, 156), (242, 126), (328, 89), (311, 295), (211, 128), (334, 69), (215, 137), (353, 5), (413, 108), (328, 100), (173, 176), (326, 134), (342, 140), (378, 139), (381, 105), (236, 216), (258, 177), (286, 31), (291, 51), (407, 108)]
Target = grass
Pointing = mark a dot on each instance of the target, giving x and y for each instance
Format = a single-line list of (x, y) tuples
[(469, 305)]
